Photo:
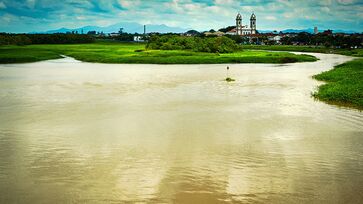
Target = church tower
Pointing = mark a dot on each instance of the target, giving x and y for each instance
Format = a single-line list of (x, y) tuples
[(239, 24), (253, 24)]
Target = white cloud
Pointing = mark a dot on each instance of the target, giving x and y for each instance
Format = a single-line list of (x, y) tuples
[(225, 2), (288, 15), (192, 7), (81, 18), (2, 5), (129, 3), (174, 6), (309, 17), (200, 15), (271, 18), (325, 9), (7, 18), (325, 2), (346, 2), (248, 8), (30, 3)]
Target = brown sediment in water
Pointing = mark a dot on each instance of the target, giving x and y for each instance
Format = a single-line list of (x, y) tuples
[(84, 132)]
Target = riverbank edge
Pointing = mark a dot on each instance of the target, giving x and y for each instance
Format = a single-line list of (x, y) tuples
[(343, 85), (119, 53), (307, 49)]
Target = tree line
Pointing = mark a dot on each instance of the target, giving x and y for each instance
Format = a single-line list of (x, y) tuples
[(327, 40), (197, 44), (321, 39), (28, 39)]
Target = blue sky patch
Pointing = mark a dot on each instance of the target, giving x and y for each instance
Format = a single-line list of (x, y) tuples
[(42, 15)]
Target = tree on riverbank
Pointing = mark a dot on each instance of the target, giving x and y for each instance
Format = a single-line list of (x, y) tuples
[(197, 44), (323, 39)]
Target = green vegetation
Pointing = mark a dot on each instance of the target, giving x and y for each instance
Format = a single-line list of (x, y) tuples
[(344, 84), (229, 79), (196, 44), (28, 39), (17, 54), (326, 39), (112, 52), (318, 49)]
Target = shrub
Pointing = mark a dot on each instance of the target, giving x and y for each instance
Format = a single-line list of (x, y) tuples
[(198, 44), (288, 60)]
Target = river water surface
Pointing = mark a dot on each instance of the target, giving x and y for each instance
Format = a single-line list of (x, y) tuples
[(74, 132)]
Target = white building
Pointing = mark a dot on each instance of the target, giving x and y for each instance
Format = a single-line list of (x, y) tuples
[(316, 30), (244, 30), (139, 38), (113, 34), (276, 38)]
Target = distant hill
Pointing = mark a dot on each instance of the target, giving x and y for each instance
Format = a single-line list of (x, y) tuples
[(308, 30), (138, 28), (127, 27)]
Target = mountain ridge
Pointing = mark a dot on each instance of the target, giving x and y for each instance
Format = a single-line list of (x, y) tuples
[(161, 28), (127, 27)]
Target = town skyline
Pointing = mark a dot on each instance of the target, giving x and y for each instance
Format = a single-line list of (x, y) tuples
[(43, 15)]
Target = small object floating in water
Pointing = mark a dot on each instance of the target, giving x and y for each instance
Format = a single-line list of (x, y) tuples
[(228, 79)]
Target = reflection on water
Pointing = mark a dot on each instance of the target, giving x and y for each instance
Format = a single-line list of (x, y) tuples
[(79, 132)]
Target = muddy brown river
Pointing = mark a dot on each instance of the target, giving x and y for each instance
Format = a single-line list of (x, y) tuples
[(74, 132)]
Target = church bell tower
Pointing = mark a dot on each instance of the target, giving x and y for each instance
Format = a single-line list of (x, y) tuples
[(253, 24), (239, 24)]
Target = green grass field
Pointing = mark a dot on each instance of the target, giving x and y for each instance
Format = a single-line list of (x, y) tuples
[(348, 52), (344, 84), (104, 52), (16, 54)]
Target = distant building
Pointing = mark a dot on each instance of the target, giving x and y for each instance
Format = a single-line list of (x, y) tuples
[(316, 30), (244, 30), (138, 38), (232, 32), (328, 32), (91, 33), (114, 34), (275, 38)]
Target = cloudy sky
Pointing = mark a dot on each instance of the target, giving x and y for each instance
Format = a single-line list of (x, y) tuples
[(42, 15)]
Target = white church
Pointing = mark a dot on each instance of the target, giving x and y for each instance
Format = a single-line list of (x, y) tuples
[(243, 30)]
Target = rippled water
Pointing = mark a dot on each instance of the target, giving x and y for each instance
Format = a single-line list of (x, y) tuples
[(74, 132)]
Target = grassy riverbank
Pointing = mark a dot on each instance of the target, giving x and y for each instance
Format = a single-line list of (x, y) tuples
[(344, 84), (135, 53), (348, 52), (17, 54)]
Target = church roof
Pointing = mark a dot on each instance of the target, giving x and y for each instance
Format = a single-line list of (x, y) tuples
[(232, 31), (253, 16), (239, 16)]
